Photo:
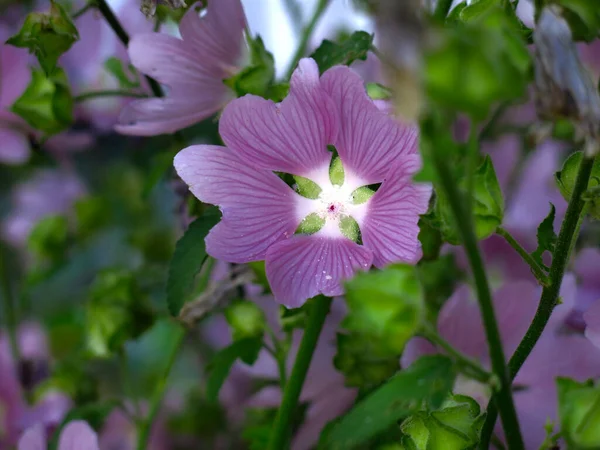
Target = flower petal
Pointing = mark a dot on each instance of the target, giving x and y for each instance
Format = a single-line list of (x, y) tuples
[(14, 146), (78, 435), (218, 36), (592, 322), (369, 140), (291, 136), (258, 207), (390, 227), (304, 266), (34, 438)]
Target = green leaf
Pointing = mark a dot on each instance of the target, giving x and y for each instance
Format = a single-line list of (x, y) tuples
[(189, 256), (246, 349), (455, 426), (378, 91), (583, 17), (330, 54), (47, 35), (291, 319), (48, 239), (579, 412), (245, 319), (566, 177), (258, 76), (546, 237), (46, 104), (397, 313), (260, 274), (127, 76), (426, 382)]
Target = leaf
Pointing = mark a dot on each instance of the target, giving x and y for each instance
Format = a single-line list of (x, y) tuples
[(546, 237), (257, 77), (378, 91), (245, 319), (47, 103), (246, 349), (330, 54), (426, 382), (579, 412), (127, 78), (583, 17), (567, 176), (189, 256), (47, 35)]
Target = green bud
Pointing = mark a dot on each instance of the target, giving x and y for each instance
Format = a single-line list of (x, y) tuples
[(46, 104), (579, 412), (245, 319), (49, 237), (47, 35)]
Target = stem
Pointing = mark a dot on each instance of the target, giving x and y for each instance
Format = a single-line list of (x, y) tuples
[(464, 223), (306, 34), (535, 267), (479, 373), (145, 426), (107, 93), (124, 37), (8, 306), (442, 8), (318, 312), (89, 5), (560, 258)]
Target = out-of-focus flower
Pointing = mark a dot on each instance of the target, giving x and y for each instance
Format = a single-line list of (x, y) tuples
[(76, 435), (47, 192), (261, 213), (192, 67), (515, 303)]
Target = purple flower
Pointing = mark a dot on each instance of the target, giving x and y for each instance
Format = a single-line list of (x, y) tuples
[(556, 354), (261, 212), (76, 435), (193, 68)]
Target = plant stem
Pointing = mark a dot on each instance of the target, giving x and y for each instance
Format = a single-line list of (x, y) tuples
[(464, 222), (318, 312), (145, 426), (560, 258), (8, 306), (306, 34), (442, 8), (107, 93), (539, 273), (124, 38), (89, 5), (479, 373)]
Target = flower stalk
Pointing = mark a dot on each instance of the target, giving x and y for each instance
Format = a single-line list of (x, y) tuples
[(539, 273), (8, 306)]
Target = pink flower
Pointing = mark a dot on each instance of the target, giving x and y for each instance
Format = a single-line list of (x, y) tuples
[(556, 354), (76, 435), (261, 212), (193, 68)]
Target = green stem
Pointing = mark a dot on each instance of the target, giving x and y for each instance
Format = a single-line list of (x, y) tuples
[(145, 426), (89, 5), (124, 38), (8, 305), (539, 273), (478, 372), (107, 93), (466, 230), (306, 34), (281, 429), (549, 299), (442, 8)]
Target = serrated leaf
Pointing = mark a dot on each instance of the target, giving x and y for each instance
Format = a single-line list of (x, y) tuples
[(245, 349), (427, 382), (116, 68), (189, 256), (546, 237), (330, 54)]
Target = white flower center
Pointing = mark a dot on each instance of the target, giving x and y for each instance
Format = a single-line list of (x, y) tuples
[(333, 202)]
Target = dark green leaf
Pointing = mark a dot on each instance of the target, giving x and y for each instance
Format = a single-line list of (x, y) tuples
[(48, 239), (579, 412), (426, 382), (546, 237), (330, 54), (566, 177), (583, 17), (47, 35), (258, 76), (246, 349), (46, 104), (127, 78), (190, 254)]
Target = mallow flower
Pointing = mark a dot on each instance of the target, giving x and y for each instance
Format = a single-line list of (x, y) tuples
[(193, 68), (77, 435), (310, 244)]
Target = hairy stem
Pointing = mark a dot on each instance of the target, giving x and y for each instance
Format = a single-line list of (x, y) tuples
[(124, 38), (537, 270), (281, 429), (464, 222), (568, 233), (306, 34)]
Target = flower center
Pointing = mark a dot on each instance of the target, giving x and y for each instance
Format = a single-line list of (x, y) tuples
[(333, 202)]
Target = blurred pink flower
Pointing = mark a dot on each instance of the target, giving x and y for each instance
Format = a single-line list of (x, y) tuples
[(77, 435), (261, 213), (192, 67)]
